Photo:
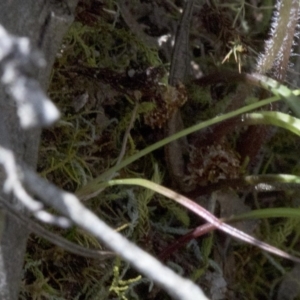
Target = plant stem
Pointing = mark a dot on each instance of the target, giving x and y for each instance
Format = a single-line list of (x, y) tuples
[(278, 47), (178, 71)]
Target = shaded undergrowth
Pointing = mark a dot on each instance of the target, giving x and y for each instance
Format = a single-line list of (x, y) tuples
[(103, 69)]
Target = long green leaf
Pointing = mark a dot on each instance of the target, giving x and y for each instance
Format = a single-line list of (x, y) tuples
[(279, 212), (274, 118), (202, 212), (279, 89)]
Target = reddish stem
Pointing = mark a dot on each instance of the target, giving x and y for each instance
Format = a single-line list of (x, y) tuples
[(198, 231)]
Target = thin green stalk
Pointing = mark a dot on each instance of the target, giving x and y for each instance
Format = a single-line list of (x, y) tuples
[(274, 118), (265, 213), (93, 186)]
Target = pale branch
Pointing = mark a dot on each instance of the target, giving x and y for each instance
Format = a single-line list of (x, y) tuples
[(17, 62), (13, 185), (25, 105), (70, 206), (17, 82)]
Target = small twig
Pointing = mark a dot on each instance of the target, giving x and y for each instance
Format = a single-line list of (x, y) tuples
[(195, 233)]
